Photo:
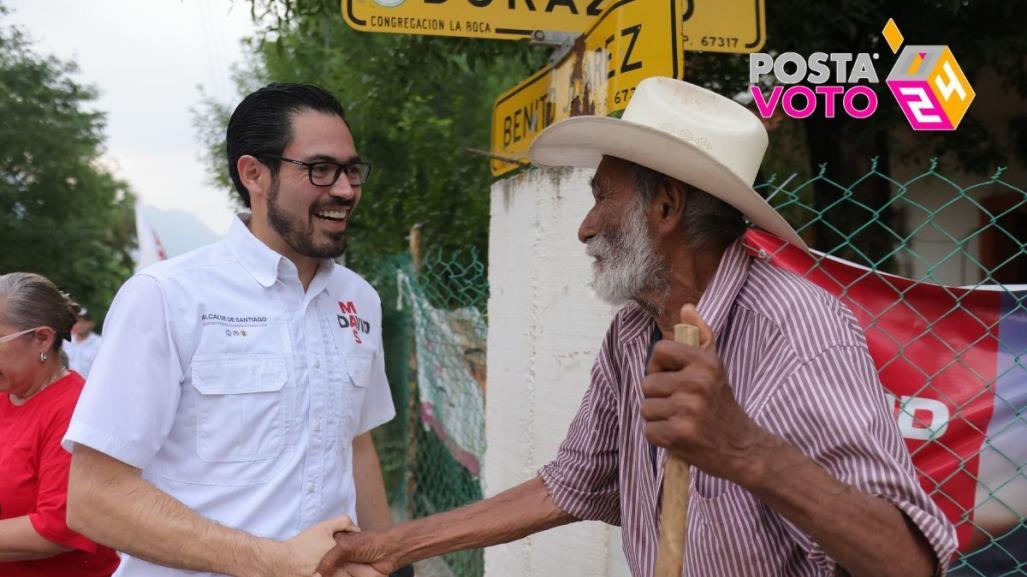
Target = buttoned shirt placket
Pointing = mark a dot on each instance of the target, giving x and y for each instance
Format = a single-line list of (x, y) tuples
[(311, 337)]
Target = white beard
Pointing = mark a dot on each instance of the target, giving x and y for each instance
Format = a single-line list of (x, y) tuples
[(626, 266)]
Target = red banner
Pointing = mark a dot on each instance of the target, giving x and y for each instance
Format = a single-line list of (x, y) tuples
[(952, 361)]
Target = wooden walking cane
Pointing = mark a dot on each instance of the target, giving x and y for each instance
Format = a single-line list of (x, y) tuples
[(674, 520)]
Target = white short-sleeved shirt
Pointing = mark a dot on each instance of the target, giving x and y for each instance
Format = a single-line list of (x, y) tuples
[(81, 354), (236, 392)]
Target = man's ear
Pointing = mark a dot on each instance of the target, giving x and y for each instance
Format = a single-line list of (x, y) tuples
[(254, 175), (670, 202)]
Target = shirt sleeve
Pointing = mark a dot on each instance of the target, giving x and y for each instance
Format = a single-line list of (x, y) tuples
[(130, 400), (833, 409), (50, 514), (583, 478)]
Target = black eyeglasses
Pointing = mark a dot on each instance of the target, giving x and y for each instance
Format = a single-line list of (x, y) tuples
[(325, 173)]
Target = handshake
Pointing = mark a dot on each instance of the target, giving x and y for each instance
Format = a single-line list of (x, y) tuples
[(350, 553)]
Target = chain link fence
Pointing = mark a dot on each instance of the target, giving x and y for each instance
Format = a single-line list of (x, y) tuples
[(432, 453), (935, 270), (949, 336)]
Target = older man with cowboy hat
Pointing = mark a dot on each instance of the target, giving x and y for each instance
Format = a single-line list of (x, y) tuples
[(798, 465)]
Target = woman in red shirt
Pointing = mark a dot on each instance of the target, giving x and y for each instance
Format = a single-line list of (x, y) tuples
[(37, 397)]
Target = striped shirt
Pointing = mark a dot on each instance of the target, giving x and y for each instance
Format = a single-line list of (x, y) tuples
[(798, 365)]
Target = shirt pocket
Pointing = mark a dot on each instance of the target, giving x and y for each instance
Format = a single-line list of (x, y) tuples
[(240, 415), (732, 531), (350, 389), (358, 368)]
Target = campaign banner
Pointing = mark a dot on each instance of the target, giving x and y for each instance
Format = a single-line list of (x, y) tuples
[(150, 249), (450, 377), (952, 361)]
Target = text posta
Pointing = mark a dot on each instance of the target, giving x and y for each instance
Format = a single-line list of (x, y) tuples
[(838, 78)]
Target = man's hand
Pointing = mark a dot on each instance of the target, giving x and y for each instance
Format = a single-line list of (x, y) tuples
[(368, 548), (357, 570), (515, 513), (689, 407), (299, 556)]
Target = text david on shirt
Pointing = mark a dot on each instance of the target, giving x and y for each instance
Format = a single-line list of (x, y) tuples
[(349, 319)]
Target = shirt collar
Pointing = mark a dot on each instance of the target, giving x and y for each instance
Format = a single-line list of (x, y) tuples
[(321, 278), (264, 264), (718, 298)]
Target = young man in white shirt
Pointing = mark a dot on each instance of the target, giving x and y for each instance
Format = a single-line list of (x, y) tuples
[(84, 344), (225, 428)]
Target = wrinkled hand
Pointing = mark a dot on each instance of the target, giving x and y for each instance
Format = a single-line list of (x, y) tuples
[(366, 550), (357, 570), (299, 556), (689, 407)]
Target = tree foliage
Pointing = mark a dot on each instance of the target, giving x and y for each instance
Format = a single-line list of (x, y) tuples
[(415, 104), (61, 214)]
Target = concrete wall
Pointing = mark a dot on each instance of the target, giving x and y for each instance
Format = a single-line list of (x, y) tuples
[(942, 224), (545, 326), (935, 245)]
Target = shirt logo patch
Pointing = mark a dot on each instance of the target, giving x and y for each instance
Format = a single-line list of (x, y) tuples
[(349, 320), (234, 326), (233, 322)]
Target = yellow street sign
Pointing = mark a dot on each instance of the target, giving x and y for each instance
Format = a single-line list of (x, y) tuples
[(724, 25), (632, 40), (500, 19)]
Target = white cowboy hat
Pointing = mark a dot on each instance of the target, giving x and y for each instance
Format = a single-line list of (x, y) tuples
[(681, 130)]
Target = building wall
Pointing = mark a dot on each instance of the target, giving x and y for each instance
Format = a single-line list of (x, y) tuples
[(934, 254), (945, 229), (545, 326)]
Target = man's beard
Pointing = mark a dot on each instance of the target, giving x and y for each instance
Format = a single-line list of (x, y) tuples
[(627, 266), (300, 236)]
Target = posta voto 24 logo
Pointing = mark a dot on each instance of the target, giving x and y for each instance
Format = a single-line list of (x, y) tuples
[(926, 81)]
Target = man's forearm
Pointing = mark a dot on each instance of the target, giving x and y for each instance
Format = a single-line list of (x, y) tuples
[(866, 535), (372, 504), (513, 514), (109, 503), (19, 541)]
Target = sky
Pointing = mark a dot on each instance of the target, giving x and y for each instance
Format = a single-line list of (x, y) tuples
[(149, 59)]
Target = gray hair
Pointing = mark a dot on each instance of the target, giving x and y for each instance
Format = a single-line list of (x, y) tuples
[(708, 222), (31, 300)]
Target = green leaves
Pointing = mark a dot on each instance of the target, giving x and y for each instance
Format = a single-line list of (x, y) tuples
[(414, 104), (61, 214)]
